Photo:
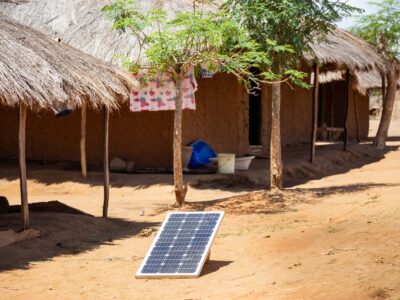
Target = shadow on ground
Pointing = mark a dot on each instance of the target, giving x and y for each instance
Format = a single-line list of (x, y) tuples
[(62, 234), (270, 202), (330, 160), (214, 265)]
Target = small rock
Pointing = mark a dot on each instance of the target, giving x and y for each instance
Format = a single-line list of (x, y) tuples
[(297, 264), (146, 232)]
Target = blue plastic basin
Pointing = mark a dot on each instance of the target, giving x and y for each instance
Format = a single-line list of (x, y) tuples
[(201, 154)]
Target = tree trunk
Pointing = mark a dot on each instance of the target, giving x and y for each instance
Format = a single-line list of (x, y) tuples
[(276, 167), (388, 104), (180, 186), (22, 166)]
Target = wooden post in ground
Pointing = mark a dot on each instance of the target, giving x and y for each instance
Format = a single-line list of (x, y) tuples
[(346, 112), (383, 78), (314, 124), (106, 163), (83, 139), (22, 165), (357, 117)]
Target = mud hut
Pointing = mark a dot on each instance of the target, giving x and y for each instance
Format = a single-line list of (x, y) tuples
[(40, 74), (227, 118)]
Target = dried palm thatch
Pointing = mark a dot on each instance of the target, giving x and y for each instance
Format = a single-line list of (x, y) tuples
[(343, 51), (81, 24), (43, 73)]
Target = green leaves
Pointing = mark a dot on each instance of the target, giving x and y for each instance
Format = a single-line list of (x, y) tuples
[(196, 36), (286, 28), (382, 29), (242, 35)]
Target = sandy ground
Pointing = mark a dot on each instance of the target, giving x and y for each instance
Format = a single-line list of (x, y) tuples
[(333, 237)]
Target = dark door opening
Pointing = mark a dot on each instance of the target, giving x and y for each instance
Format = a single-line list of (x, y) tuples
[(255, 118)]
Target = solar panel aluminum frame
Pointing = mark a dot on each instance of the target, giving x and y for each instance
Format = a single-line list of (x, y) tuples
[(203, 259)]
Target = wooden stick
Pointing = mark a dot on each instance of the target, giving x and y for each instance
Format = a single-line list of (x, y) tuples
[(314, 124), (106, 164), (383, 78), (22, 166), (83, 140), (346, 112), (356, 117)]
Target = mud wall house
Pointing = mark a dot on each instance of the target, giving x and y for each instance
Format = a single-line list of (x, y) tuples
[(226, 117), (38, 74)]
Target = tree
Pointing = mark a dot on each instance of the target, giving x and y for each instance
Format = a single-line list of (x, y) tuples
[(173, 44), (382, 30), (295, 24)]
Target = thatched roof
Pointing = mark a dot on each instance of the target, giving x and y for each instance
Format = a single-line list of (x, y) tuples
[(369, 80), (330, 76), (345, 51), (43, 73), (81, 24)]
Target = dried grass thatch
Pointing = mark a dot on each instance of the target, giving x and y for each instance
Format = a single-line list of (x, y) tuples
[(43, 73), (330, 76), (81, 24), (345, 51), (369, 80)]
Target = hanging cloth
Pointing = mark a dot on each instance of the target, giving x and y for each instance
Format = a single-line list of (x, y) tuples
[(160, 94)]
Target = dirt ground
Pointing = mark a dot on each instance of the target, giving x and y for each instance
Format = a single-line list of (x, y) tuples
[(333, 237)]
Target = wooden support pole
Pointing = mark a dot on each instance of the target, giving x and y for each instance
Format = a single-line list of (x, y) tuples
[(83, 139), (22, 165), (106, 163), (346, 112), (357, 117), (383, 77), (314, 124)]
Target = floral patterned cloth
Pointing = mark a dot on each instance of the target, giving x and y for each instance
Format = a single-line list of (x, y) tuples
[(160, 94)]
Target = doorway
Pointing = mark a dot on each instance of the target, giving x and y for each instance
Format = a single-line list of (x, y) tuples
[(255, 118)]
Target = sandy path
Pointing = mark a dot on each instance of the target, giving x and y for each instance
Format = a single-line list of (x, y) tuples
[(343, 244)]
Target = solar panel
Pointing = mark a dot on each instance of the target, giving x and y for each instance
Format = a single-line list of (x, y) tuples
[(181, 246)]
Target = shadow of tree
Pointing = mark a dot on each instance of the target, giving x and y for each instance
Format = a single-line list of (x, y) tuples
[(62, 234), (330, 160), (271, 202)]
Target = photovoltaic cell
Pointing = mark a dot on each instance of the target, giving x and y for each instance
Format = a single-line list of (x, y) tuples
[(181, 245)]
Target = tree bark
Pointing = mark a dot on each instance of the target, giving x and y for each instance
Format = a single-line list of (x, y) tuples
[(314, 124), (276, 166), (22, 166), (388, 105), (180, 186), (106, 169), (83, 140)]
